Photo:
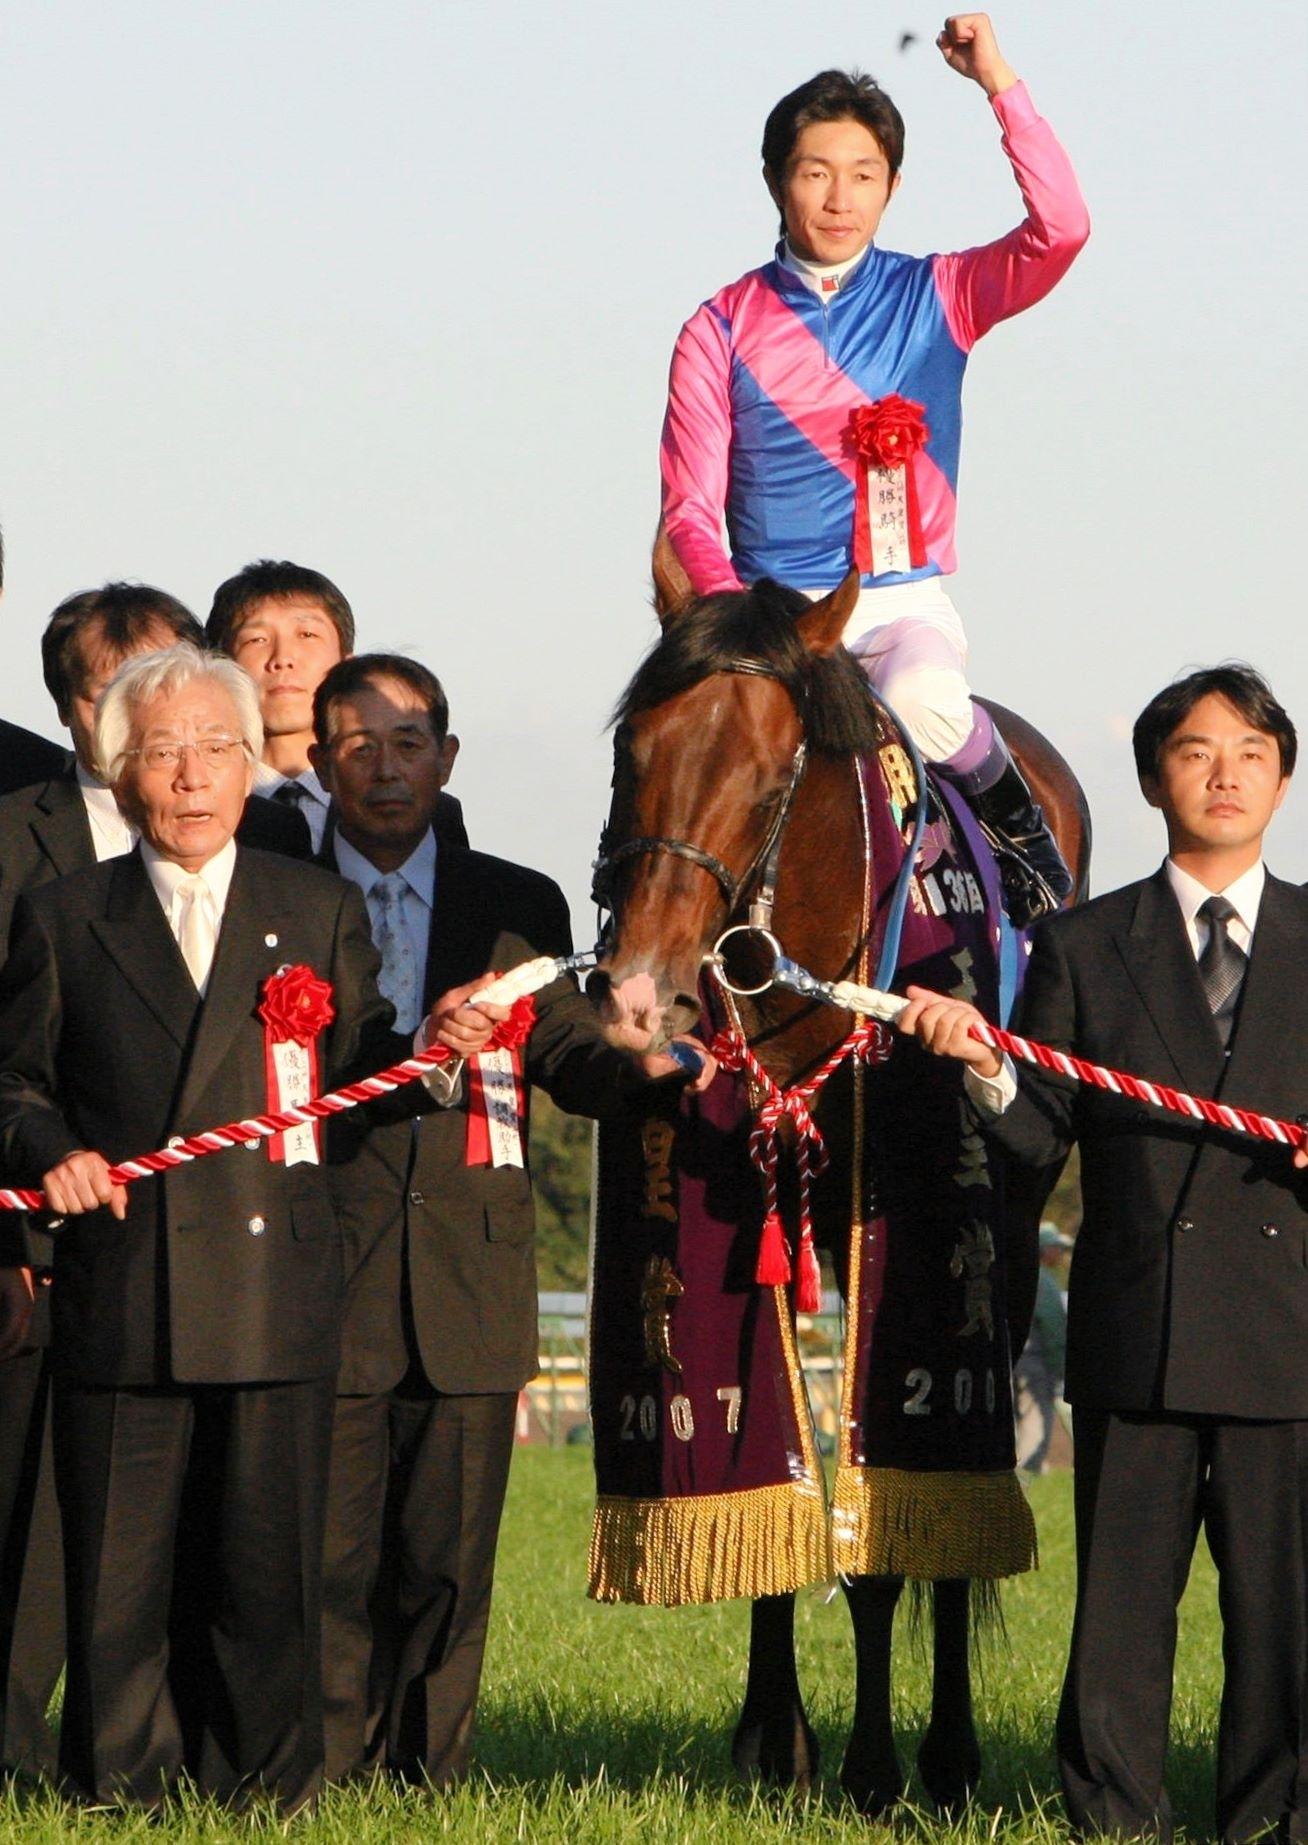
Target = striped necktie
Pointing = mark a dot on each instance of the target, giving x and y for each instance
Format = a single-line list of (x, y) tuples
[(1221, 965)]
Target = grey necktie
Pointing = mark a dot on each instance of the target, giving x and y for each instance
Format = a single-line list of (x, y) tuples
[(399, 970), (1221, 965)]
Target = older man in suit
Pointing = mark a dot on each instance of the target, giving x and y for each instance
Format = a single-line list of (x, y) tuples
[(1187, 1306), (440, 1329), (66, 820), (196, 1315)]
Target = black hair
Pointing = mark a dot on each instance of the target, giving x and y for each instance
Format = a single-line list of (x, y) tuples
[(125, 613), (362, 669), (832, 96), (267, 580), (1245, 690)]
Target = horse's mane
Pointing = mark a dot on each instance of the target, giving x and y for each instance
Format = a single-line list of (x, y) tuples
[(717, 633)]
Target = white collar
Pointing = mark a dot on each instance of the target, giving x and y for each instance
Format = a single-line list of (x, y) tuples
[(823, 278), (99, 795), (418, 870), (267, 781), (166, 875), (1244, 893)]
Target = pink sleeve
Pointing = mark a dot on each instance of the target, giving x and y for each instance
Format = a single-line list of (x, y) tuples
[(694, 454), (980, 287)]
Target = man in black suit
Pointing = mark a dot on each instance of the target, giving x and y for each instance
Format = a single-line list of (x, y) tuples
[(67, 820), (440, 1329), (288, 625), (196, 1315), (1187, 1308)]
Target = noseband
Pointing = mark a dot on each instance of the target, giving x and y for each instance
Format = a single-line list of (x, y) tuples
[(767, 857)]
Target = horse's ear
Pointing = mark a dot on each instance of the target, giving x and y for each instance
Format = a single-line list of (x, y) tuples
[(672, 592), (821, 627)]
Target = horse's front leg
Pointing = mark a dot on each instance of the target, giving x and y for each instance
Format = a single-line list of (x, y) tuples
[(949, 1758), (871, 1774), (774, 1740)]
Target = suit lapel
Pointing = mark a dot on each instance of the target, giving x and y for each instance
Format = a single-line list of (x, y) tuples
[(60, 825), (242, 960), (1273, 1004), (1162, 966), (462, 932), (135, 934)]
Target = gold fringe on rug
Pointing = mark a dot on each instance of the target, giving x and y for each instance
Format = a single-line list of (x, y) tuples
[(663, 1553), (886, 1521)]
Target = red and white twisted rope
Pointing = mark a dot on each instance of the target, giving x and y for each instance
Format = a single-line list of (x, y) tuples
[(733, 1052), (513, 989)]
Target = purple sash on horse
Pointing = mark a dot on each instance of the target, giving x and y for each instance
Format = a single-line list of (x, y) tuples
[(709, 1480)]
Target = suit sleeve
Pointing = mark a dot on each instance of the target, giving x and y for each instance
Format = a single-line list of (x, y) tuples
[(980, 287), (1039, 1126), (361, 1040), (33, 1133)]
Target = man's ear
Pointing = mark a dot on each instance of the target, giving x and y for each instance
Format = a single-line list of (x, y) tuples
[(1150, 790), (320, 761), (774, 190), (449, 750)]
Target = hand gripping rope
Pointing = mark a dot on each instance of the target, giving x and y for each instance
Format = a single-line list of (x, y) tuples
[(513, 989)]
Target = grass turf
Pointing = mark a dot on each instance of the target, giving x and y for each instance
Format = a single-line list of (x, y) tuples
[(612, 1724)]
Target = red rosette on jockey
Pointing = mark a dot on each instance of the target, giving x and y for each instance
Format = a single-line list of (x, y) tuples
[(497, 1092), (884, 437), (295, 1007)]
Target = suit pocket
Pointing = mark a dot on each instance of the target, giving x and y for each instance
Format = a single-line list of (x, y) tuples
[(510, 1221), (312, 1218)]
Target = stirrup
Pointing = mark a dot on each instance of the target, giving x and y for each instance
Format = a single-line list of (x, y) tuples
[(1028, 894)]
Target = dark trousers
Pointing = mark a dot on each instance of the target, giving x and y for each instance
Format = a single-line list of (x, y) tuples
[(1144, 1484), (416, 1490), (31, 1568), (193, 1535)]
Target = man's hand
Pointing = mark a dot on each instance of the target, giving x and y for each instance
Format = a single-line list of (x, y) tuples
[(942, 1026), (16, 1295), (968, 46), (660, 1064), (632, 1014), (82, 1183), (460, 1024)]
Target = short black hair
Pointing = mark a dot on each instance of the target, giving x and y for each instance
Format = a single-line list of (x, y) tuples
[(832, 96), (1245, 690), (126, 613), (350, 676), (269, 580)]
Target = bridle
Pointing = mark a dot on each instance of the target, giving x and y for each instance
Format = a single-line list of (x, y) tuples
[(762, 866)]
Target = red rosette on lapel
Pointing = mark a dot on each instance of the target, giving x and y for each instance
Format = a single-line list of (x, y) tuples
[(497, 1092), (884, 437), (296, 1006)]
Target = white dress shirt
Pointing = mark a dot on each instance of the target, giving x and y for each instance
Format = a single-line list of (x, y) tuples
[(993, 1094), (168, 879), (316, 801), (111, 834)]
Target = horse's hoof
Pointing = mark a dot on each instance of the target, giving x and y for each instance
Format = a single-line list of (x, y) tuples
[(780, 1748), (874, 1786), (949, 1768)]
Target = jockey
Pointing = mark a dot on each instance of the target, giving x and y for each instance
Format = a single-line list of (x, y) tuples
[(814, 409)]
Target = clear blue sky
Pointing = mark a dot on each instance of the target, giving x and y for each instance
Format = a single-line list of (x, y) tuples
[(390, 289)]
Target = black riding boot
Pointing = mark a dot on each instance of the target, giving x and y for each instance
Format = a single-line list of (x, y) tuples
[(1034, 877)]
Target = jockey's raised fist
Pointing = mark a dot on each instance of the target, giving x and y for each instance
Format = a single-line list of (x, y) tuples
[(968, 45)]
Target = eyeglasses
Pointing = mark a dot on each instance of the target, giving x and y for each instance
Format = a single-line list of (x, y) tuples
[(214, 752)]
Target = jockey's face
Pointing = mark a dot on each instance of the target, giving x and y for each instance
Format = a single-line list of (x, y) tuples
[(836, 186), (1218, 784)]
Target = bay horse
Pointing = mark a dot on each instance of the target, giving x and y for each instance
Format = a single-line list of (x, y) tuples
[(709, 734)]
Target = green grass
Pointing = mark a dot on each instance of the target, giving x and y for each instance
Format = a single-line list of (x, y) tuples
[(611, 1724)]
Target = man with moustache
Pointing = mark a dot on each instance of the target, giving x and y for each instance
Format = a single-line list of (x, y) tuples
[(440, 1330), (1187, 1305), (64, 821)]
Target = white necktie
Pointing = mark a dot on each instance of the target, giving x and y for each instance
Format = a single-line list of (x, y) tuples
[(196, 934)]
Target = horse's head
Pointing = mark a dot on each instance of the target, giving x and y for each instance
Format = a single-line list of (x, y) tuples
[(710, 748)]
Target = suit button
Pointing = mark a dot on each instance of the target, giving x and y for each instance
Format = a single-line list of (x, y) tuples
[(417, 1197), (1183, 1224), (1270, 1230), (256, 1226), (251, 1146)]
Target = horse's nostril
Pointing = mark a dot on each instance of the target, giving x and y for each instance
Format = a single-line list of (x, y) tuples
[(598, 986)]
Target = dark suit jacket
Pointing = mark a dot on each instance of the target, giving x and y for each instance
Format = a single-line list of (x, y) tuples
[(227, 1270), (26, 758), (429, 1241), (1189, 1284), (45, 834)]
